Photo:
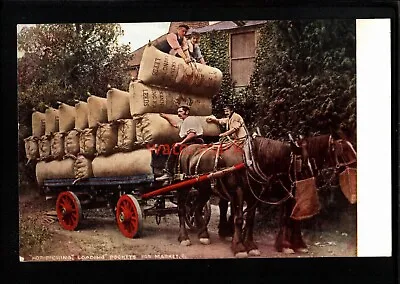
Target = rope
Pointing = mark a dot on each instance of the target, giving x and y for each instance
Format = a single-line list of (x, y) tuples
[(258, 198)]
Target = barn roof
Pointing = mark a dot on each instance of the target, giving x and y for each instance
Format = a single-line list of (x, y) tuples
[(227, 25)]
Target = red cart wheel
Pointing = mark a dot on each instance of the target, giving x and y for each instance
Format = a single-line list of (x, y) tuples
[(69, 210), (129, 216)]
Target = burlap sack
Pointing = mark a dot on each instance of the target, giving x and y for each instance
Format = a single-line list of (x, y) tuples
[(106, 138), (83, 167), (126, 134), (161, 69), (87, 142), (152, 99), (117, 105), (97, 110), (54, 170), (67, 117), (45, 148), (123, 164), (71, 143), (31, 148), (82, 113), (307, 201), (151, 128), (52, 120), (57, 145), (38, 124)]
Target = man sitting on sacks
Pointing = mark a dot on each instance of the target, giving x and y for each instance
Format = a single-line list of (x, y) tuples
[(176, 42), (191, 132), (194, 48)]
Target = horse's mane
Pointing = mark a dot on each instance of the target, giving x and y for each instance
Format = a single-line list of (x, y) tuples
[(270, 152), (318, 147)]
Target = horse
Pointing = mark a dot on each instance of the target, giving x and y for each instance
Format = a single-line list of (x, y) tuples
[(316, 153), (273, 177), (195, 159)]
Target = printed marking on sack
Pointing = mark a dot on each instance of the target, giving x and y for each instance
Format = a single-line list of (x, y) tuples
[(156, 66)]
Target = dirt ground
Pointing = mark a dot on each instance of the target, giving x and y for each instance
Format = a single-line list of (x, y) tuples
[(42, 238)]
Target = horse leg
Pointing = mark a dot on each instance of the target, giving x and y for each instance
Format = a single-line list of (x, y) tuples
[(203, 197), (297, 241), (225, 228), (237, 241), (183, 234), (249, 243), (282, 243)]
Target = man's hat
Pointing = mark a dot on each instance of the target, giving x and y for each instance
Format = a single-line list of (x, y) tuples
[(184, 26)]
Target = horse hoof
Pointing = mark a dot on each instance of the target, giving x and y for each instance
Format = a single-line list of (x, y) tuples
[(205, 241), (254, 252), (241, 255), (287, 251), (185, 243), (302, 250)]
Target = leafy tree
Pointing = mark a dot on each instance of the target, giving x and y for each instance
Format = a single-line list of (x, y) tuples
[(304, 78), (64, 62)]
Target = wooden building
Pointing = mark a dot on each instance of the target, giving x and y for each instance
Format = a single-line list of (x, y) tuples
[(242, 47)]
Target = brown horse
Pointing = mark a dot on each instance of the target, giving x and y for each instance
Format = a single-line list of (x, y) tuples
[(195, 159), (317, 153), (272, 183)]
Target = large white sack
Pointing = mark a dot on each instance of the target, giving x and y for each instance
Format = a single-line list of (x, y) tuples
[(54, 170), (87, 142), (106, 138), (97, 107), (83, 167), (151, 128), (57, 145), (117, 105), (52, 120), (67, 117), (71, 142), (123, 164), (45, 147), (38, 124), (31, 148), (126, 134), (152, 99), (161, 69), (82, 113)]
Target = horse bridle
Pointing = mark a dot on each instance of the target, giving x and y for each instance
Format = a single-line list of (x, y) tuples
[(256, 174)]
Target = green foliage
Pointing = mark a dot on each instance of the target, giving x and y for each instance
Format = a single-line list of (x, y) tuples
[(304, 78), (215, 49), (64, 62)]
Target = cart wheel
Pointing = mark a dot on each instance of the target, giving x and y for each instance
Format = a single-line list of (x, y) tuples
[(129, 216), (69, 210), (189, 218)]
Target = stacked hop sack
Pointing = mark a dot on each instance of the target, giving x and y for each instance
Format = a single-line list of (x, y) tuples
[(165, 82), (115, 141), (53, 164), (111, 136), (32, 142)]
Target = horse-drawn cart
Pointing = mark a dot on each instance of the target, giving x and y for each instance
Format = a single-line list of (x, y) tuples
[(128, 197)]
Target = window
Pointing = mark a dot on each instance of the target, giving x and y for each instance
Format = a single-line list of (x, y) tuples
[(243, 52)]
